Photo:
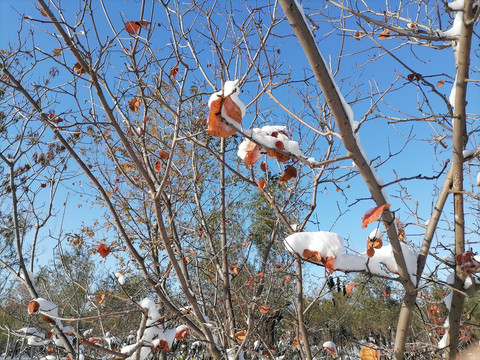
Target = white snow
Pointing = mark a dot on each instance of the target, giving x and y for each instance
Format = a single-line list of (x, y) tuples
[(457, 25), (376, 234), (351, 262), (330, 345), (328, 244), (456, 5), (47, 307), (231, 89), (120, 278), (468, 152), (478, 179)]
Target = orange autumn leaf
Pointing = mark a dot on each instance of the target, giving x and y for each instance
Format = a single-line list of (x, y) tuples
[(174, 71), (240, 336), (312, 255), (103, 250), (279, 156), (358, 35), (164, 155), (181, 334), (264, 309), (296, 342), (286, 279), (373, 215), (261, 184), (440, 83), (134, 105), (33, 307), (157, 167), (384, 34), (368, 353), (54, 118), (133, 27), (349, 289), (43, 12), (48, 319), (328, 262), (289, 173), (79, 69), (263, 166), (234, 269), (217, 126), (250, 284), (370, 251), (400, 229), (375, 243)]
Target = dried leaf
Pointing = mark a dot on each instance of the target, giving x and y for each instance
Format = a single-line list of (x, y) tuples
[(79, 69), (374, 243), (400, 229), (250, 284), (234, 269), (358, 35), (296, 342), (328, 262), (368, 353), (370, 251), (384, 34), (103, 250), (33, 307), (133, 27), (57, 52), (349, 289), (286, 279), (181, 334), (252, 156), (216, 124), (48, 319), (263, 166), (261, 184), (467, 262), (174, 71), (134, 105), (157, 167), (312, 255), (43, 12), (55, 119), (101, 298), (240, 336), (373, 215), (289, 173), (264, 309), (164, 155), (440, 83)]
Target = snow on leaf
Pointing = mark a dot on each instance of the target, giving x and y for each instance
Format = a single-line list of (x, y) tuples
[(331, 348), (33, 307), (103, 250), (373, 215), (181, 332), (467, 262), (310, 255)]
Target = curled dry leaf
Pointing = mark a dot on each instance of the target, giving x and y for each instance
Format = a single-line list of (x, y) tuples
[(174, 71), (33, 307), (43, 12), (400, 229), (217, 126), (358, 35), (328, 262), (134, 105), (240, 336), (370, 251), (263, 166), (440, 83), (349, 289), (252, 153), (133, 27), (103, 250), (264, 309), (157, 167), (79, 69), (286, 279), (312, 255), (414, 76), (373, 215), (164, 155), (289, 173), (296, 342), (182, 334), (54, 118), (374, 243), (234, 269), (385, 34), (48, 319), (261, 184)]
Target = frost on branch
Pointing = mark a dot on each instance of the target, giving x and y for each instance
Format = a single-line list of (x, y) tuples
[(226, 111)]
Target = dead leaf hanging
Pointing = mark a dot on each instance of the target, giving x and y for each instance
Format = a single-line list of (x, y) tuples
[(134, 105), (385, 34), (373, 215), (79, 69), (133, 27)]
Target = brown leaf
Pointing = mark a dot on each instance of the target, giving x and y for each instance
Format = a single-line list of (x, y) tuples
[(264, 309), (370, 251), (289, 173), (328, 262), (234, 269), (440, 83), (384, 34), (33, 307), (358, 35), (296, 342), (181, 334), (349, 289), (103, 250), (373, 215), (368, 353), (312, 255), (48, 319), (134, 105), (286, 279), (240, 336), (57, 52), (79, 69), (157, 167), (375, 243), (43, 12), (133, 27), (261, 184), (216, 124), (101, 298), (164, 155), (55, 119), (174, 71), (263, 166)]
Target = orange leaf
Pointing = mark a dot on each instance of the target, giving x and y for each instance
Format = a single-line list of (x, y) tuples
[(289, 173), (164, 155), (286, 279), (240, 336), (368, 353), (373, 215), (157, 167), (101, 298), (310, 255), (134, 105), (384, 34), (358, 35), (43, 12), (79, 69), (349, 289), (55, 119), (182, 334), (400, 229), (296, 342), (103, 250), (263, 166), (261, 184), (374, 243), (328, 262), (279, 156), (250, 284), (33, 307), (440, 83), (133, 27), (264, 309), (115, 189), (370, 251), (234, 269), (216, 124), (174, 71)]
